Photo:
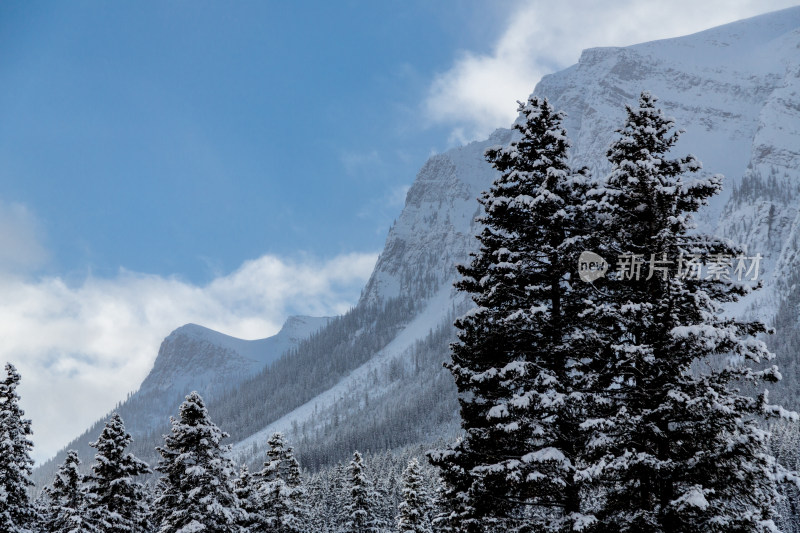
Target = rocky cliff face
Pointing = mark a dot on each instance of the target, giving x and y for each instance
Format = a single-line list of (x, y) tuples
[(437, 227), (735, 90)]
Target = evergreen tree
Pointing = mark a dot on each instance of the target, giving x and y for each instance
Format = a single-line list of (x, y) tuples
[(115, 502), (359, 514), (17, 512), (413, 510), (337, 494), (443, 513), (249, 501), (64, 502), (325, 496), (280, 488), (518, 370), (196, 492), (678, 448)]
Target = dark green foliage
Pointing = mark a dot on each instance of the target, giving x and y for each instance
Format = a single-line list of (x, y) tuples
[(359, 515), (115, 501), (64, 501), (515, 366), (281, 491), (196, 491), (249, 501), (413, 511), (17, 512), (673, 446)]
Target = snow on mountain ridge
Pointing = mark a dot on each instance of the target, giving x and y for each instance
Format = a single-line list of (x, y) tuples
[(734, 90), (717, 84), (742, 41), (197, 357)]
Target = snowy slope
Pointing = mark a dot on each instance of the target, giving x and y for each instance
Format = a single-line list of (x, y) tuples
[(362, 381)]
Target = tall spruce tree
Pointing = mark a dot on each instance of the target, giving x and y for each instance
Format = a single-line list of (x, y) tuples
[(115, 501), (360, 507), (196, 492), (17, 512), (281, 489), (249, 501), (442, 511), (675, 447), (412, 516), (516, 366), (64, 501)]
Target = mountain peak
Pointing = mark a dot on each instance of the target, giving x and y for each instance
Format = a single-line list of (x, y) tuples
[(195, 331), (302, 325)]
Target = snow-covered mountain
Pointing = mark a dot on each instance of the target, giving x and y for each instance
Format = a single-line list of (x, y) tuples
[(372, 379), (196, 358), (437, 225), (734, 89)]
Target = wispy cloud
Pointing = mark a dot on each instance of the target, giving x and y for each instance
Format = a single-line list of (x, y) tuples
[(397, 196), (361, 163), (383, 209), (20, 235), (82, 347), (478, 93)]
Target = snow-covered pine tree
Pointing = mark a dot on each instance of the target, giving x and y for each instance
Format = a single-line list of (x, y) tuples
[(517, 369), (442, 512), (675, 446), (412, 516), (249, 501), (196, 492), (281, 489), (325, 496), (784, 443), (338, 492), (297, 517), (359, 509), (115, 501), (17, 511), (64, 501)]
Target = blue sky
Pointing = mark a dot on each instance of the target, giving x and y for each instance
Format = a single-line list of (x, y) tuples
[(182, 138), (231, 163)]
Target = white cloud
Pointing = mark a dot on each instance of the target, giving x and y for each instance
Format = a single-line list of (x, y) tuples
[(478, 93), (81, 348)]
